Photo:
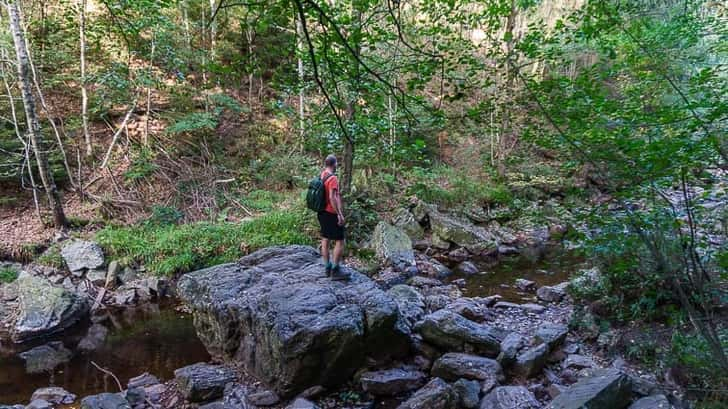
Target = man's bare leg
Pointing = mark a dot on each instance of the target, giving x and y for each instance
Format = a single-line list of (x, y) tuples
[(325, 250), (338, 251)]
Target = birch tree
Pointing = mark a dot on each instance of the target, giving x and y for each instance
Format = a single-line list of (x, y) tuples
[(34, 130)]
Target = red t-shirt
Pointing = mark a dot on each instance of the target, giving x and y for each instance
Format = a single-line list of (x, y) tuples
[(331, 184)]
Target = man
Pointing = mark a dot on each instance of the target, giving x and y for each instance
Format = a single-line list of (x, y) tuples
[(332, 221)]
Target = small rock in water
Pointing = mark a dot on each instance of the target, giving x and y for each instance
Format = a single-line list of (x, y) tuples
[(525, 285), (552, 293), (143, 380), (136, 396), (467, 268), (39, 404), (449, 330), (105, 401), (54, 395), (202, 382)]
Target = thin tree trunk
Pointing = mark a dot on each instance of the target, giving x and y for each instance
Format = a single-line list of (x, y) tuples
[(26, 147), (36, 137), (149, 95), (84, 90), (301, 111)]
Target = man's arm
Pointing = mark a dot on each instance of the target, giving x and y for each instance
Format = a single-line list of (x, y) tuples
[(335, 200)]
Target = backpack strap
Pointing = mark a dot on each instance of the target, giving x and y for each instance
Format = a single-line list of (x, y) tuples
[(327, 177)]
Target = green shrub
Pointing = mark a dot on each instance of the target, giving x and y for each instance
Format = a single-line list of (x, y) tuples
[(262, 200), (450, 187), (8, 275), (164, 215), (51, 257), (172, 249), (692, 353)]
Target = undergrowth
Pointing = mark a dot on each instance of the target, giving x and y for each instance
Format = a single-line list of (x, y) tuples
[(172, 249), (8, 274)]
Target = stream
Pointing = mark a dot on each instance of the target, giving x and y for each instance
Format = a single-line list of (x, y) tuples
[(154, 338), (553, 266)]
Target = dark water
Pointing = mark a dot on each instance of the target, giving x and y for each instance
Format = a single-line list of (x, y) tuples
[(550, 267), (155, 339)]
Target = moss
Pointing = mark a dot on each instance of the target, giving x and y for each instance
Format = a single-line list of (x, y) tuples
[(8, 275)]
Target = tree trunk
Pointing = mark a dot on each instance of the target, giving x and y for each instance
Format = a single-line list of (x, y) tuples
[(84, 90), (301, 111), (36, 137)]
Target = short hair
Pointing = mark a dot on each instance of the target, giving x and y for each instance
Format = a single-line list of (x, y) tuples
[(330, 160)]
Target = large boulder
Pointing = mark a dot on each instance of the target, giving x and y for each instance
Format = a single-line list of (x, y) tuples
[(453, 332), (54, 395), (81, 256), (475, 239), (277, 313), (45, 308), (606, 389), (437, 394), (410, 302), (509, 397), (45, 358), (405, 220), (393, 246), (652, 402), (552, 334), (531, 361), (453, 366)]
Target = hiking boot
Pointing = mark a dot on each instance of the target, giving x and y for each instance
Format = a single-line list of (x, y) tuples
[(338, 275), (328, 270)]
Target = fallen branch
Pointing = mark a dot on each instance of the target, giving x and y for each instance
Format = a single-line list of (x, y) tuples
[(117, 133), (108, 372)]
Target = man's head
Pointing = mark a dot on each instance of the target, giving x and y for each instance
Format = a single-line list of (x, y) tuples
[(330, 162)]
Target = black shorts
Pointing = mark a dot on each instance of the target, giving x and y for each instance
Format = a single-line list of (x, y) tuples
[(330, 228)]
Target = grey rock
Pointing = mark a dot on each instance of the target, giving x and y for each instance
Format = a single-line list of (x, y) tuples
[(525, 285), (393, 246), (467, 268), (11, 406), (552, 335), (236, 396), (575, 361), (409, 301), (509, 397), (39, 404), (468, 393), (423, 282), (136, 396), (453, 366), (94, 339), (54, 395), (215, 405), (125, 295), (45, 309), (552, 293), (144, 380), (531, 361), (405, 220), (606, 389), (302, 403), (534, 308), (437, 394), (127, 275), (202, 382), (97, 277), (510, 347), (44, 358), (470, 309), (475, 239), (105, 401), (277, 313), (453, 332), (82, 255), (112, 274), (391, 382), (652, 402), (264, 398)]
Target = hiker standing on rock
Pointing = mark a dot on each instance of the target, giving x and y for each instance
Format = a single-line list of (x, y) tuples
[(324, 198)]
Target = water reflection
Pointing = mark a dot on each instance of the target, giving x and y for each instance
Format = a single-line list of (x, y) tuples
[(152, 339)]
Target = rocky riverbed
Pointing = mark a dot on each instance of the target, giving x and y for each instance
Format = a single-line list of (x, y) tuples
[(417, 333)]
